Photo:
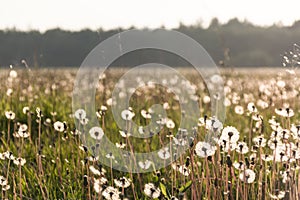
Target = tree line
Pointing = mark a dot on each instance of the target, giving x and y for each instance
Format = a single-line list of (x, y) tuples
[(235, 43)]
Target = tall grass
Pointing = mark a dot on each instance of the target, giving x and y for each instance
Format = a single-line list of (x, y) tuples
[(261, 163)]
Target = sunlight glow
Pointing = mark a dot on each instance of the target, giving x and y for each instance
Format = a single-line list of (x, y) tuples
[(93, 14)]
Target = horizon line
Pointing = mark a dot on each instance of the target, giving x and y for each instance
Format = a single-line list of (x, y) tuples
[(198, 24)]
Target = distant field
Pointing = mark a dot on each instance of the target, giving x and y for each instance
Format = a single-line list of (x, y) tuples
[(254, 153)]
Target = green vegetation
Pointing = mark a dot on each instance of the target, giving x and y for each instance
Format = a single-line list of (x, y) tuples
[(232, 44), (257, 157)]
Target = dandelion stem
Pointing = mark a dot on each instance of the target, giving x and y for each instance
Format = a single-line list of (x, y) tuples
[(20, 181)]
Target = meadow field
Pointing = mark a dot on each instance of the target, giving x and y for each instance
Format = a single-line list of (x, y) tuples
[(255, 152)]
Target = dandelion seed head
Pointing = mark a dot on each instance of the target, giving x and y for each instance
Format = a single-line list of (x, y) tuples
[(238, 165), (151, 191), (122, 182), (127, 115), (206, 99), (80, 114), (284, 112), (230, 134), (146, 114), (239, 110), (242, 148), (13, 74), (145, 164), (5, 188), (9, 92), (166, 106), (111, 193), (170, 124), (84, 121), (96, 133), (125, 134), (164, 153), (10, 115), (247, 176), (251, 107), (204, 149), (19, 161), (26, 109), (3, 181), (278, 195), (184, 170), (94, 170), (59, 126)]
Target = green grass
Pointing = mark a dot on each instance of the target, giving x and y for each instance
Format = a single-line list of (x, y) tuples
[(60, 172)]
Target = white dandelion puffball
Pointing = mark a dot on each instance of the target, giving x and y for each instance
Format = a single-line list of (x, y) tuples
[(251, 107), (25, 109), (125, 134), (170, 124), (151, 191), (242, 148), (260, 141), (80, 114), (284, 112), (279, 195), (146, 114), (3, 181), (216, 79), (96, 133), (94, 170), (22, 131), (59, 126), (145, 164), (280, 84), (164, 153), (10, 115), (127, 115), (206, 99), (19, 161), (13, 74), (247, 176), (184, 170), (239, 110), (122, 182), (9, 92), (111, 193), (238, 165), (213, 124), (23, 128), (230, 134), (103, 108), (204, 149)]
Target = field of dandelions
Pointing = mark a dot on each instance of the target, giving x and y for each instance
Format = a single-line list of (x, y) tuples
[(256, 155)]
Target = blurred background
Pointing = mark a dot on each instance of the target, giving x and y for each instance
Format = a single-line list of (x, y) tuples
[(61, 33)]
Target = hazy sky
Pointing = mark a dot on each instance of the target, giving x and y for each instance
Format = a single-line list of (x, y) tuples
[(78, 14)]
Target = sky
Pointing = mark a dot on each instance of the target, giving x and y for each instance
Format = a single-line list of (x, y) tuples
[(93, 14)]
